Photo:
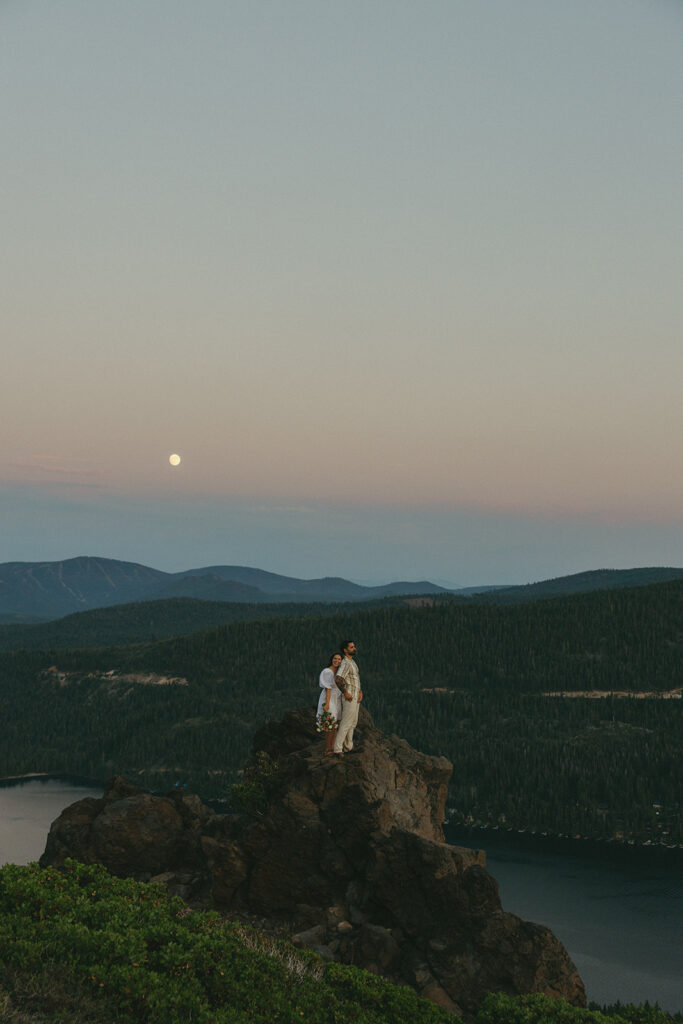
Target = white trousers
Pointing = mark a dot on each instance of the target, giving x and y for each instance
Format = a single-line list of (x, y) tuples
[(349, 718)]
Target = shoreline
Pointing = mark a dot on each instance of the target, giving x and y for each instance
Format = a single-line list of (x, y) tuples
[(675, 694), (583, 846), (73, 780), (29, 775), (595, 847)]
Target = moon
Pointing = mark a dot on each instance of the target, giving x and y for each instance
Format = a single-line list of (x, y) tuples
[(174, 460)]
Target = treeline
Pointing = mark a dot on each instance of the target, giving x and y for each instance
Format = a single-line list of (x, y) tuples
[(148, 621)]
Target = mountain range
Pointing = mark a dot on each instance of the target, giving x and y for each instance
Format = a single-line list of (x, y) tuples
[(40, 591), (48, 590)]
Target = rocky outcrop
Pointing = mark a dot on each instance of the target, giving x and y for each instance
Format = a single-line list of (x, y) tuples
[(346, 855)]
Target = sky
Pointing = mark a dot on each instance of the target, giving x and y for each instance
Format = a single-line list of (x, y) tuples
[(399, 282)]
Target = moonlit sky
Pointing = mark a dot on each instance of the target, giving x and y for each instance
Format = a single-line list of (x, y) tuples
[(399, 281)]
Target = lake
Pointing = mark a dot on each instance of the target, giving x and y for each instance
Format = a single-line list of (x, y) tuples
[(621, 919), (28, 808), (620, 916)]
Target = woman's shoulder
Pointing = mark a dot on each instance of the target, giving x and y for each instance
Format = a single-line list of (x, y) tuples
[(326, 676)]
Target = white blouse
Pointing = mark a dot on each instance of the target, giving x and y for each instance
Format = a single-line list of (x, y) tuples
[(327, 678)]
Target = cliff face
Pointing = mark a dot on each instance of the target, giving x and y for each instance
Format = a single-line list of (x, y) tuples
[(346, 854)]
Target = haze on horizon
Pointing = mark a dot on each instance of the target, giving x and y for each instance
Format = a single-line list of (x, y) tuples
[(399, 283)]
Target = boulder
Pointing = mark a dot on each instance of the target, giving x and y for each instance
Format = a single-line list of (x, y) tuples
[(129, 831)]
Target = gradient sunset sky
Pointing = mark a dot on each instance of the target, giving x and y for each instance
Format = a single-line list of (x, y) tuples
[(399, 281)]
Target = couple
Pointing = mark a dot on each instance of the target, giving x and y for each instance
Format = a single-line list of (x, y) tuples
[(339, 700)]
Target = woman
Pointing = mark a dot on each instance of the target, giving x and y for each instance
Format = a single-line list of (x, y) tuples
[(330, 702)]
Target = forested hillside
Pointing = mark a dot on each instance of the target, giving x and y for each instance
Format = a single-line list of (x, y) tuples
[(608, 640), (147, 621), (592, 767)]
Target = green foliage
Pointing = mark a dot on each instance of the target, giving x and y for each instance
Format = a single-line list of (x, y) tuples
[(539, 1009), (643, 1014), (144, 957), (81, 946), (259, 781)]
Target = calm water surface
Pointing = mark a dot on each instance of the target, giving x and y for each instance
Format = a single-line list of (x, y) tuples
[(27, 809), (621, 921)]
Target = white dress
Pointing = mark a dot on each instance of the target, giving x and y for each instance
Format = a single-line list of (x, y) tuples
[(327, 683)]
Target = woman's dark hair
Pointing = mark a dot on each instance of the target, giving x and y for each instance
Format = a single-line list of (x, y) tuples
[(333, 656)]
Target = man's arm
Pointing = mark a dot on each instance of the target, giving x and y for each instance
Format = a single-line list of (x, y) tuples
[(341, 685), (340, 680)]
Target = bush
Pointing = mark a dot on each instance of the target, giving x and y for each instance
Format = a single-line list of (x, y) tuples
[(139, 955), (83, 947), (259, 782), (498, 1008)]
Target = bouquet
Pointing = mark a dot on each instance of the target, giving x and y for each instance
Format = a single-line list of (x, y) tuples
[(326, 722)]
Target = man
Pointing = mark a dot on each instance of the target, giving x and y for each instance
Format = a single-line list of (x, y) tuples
[(348, 681)]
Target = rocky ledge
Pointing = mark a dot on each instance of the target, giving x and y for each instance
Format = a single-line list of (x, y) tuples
[(345, 855)]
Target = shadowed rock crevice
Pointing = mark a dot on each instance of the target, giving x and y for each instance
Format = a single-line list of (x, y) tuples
[(347, 855)]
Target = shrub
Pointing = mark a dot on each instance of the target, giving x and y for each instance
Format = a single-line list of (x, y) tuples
[(259, 782), (142, 956)]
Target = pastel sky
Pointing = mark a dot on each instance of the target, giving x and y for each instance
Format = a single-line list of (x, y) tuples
[(399, 281)]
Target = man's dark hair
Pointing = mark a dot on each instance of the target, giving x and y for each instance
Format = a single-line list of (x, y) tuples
[(344, 644)]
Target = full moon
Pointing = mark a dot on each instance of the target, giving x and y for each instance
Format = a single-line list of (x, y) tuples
[(174, 460)]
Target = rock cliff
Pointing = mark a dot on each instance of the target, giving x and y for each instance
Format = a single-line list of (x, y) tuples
[(345, 855)]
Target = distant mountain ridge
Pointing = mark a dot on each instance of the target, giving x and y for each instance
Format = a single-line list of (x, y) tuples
[(580, 583), (51, 590), (35, 591)]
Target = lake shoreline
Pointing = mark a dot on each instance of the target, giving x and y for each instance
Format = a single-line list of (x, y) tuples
[(614, 850), (617, 850), (75, 780)]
